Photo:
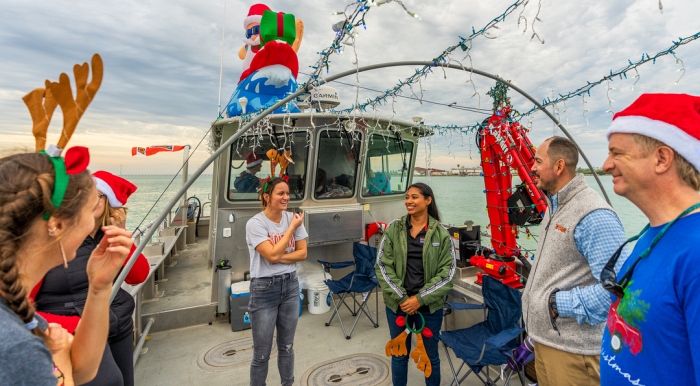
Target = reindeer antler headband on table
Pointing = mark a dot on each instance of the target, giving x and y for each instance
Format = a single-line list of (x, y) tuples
[(42, 102)]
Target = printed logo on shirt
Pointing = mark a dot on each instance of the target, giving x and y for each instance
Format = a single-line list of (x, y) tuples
[(274, 239), (623, 321), (421, 240), (610, 360), (561, 228)]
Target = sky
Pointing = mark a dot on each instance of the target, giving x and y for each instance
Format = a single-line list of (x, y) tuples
[(162, 62)]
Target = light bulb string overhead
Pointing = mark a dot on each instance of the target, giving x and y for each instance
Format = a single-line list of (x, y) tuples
[(464, 44), (585, 91), (622, 73), (347, 29)]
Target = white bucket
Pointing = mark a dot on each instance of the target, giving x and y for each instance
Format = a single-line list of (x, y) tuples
[(318, 300), (240, 288)]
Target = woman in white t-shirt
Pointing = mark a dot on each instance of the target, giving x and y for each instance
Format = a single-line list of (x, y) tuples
[(276, 241)]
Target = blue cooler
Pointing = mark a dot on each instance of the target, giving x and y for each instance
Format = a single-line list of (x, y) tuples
[(240, 297)]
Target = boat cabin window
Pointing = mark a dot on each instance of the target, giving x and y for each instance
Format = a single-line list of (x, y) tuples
[(251, 164), (386, 167), (338, 159)]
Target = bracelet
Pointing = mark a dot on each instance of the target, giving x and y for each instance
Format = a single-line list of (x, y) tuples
[(60, 373)]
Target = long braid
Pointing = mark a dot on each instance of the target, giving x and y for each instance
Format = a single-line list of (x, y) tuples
[(15, 215), (25, 194)]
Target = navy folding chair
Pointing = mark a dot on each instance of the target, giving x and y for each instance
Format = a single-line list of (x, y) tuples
[(490, 342), (362, 280)]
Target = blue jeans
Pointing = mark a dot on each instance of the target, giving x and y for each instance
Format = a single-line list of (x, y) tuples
[(399, 365), (274, 302)]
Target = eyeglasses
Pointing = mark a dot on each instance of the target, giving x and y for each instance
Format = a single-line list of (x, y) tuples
[(608, 277), (252, 31)]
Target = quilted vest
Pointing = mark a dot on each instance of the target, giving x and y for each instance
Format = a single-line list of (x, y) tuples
[(559, 265)]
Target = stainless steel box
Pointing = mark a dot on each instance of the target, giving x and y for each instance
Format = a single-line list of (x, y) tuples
[(154, 249), (336, 224)]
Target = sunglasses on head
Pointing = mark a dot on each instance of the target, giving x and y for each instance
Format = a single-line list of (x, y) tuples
[(252, 31)]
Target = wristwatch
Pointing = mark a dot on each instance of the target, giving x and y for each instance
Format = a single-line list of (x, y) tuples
[(553, 304)]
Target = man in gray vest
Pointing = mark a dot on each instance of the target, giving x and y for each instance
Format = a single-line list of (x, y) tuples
[(564, 304)]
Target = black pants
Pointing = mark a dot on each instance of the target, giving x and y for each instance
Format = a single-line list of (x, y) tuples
[(117, 365)]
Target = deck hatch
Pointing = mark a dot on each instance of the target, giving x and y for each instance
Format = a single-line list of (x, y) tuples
[(229, 355), (351, 370)]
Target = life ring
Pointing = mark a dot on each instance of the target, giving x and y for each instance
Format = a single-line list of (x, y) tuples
[(374, 228)]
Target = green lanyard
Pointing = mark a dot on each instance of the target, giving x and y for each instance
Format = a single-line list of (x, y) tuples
[(628, 275)]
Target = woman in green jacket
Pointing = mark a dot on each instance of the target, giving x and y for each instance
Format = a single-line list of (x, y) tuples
[(415, 266)]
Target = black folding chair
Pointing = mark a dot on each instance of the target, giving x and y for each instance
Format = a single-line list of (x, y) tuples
[(362, 280), (490, 342)]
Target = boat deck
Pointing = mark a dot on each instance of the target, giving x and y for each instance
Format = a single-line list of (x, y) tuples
[(214, 355), (174, 357)]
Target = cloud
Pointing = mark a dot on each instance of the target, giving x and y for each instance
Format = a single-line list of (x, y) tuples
[(162, 65)]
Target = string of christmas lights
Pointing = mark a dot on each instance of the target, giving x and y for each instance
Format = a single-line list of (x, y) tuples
[(347, 29), (464, 44), (622, 73), (584, 91), (355, 19)]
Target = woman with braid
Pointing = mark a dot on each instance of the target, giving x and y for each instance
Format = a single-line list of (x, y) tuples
[(46, 211), (61, 296)]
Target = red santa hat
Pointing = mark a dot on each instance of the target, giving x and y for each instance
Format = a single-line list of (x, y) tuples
[(673, 119), (255, 14), (114, 187), (253, 160)]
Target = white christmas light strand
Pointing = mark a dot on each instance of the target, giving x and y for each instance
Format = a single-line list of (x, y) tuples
[(442, 58), (622, 73), (344, 29)]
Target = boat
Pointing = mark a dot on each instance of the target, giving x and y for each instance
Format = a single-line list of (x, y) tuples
[(337, 161), (346, 172)]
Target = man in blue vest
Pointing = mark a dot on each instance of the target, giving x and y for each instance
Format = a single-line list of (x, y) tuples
[(564, 304), (652, 336)]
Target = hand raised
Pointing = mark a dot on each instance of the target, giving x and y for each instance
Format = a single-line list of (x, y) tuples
[(108, 258), (297, 220)]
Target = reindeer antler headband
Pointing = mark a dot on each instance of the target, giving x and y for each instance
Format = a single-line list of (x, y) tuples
[(42, 102)]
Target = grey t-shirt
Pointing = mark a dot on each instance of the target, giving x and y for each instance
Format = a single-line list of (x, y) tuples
[(260, 229), (24, 358)]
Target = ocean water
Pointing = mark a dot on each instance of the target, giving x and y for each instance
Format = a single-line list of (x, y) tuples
[(462, 198), (458, 198), (150, 188)]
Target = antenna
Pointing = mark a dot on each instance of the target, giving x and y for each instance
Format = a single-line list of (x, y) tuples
[(221, 66)]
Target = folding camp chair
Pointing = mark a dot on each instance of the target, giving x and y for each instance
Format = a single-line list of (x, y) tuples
[(362, 280), (490, 342)]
